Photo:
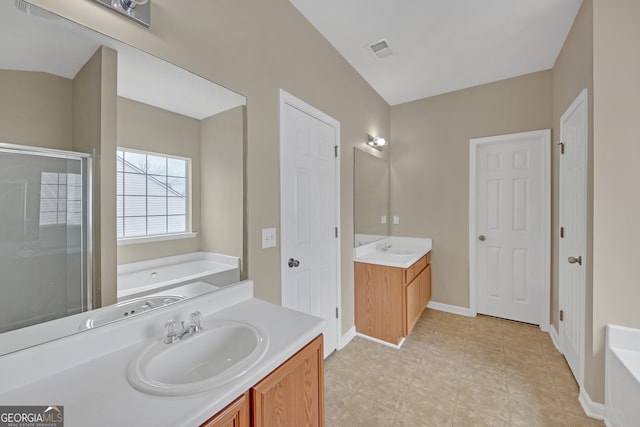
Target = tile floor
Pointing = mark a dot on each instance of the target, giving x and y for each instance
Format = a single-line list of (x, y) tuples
[(454, 371)]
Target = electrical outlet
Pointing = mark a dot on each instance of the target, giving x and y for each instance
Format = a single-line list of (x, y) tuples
[(396, 219), (268, 238), (383, 219)]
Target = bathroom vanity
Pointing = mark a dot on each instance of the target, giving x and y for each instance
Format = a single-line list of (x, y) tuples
[(89, 373), (392, 287)]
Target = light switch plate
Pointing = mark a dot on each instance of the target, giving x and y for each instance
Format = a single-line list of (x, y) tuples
[(383, 219), (396, 219), (268, 238)]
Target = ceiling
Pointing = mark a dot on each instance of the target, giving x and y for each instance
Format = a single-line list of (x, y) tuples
[(439, 46), (42, 41)]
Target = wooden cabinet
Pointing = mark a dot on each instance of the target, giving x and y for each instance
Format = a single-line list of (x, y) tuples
[(293, 394), (237, 414), (390, 300)]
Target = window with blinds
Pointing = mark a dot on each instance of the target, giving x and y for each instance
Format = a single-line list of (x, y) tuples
[(152, 192)]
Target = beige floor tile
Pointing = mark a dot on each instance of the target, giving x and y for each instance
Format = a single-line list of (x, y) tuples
[(424, 405), (482, 400), (489, 378), (454, 371), (404, 420), (383, 390), (579, 421), (471, 418), (366, 413), (335, 401), (570, 404)]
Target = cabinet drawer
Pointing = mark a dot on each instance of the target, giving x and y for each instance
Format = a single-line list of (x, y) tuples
[(415, 269)]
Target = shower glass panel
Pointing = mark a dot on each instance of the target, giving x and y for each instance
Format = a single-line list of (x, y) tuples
[(44, 236)]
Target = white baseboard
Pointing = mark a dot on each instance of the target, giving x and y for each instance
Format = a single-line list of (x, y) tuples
[(346, 338), (454, 309), (376, 340), (591, 408), (555, 339)]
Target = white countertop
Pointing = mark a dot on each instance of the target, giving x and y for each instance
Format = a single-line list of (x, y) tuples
[(371, 253), (86, 373)]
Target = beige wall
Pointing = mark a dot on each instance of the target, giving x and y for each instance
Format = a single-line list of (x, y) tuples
[(616, 206), (35, 109), (222, 176), (256, 47), (572, 72), (94, 130), (144, 127), (430, 165)]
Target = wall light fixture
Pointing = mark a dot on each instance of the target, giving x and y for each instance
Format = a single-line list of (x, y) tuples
[(376, 142), (137, 10)]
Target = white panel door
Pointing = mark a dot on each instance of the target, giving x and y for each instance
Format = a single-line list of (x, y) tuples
[(573, 220), (309, 250), (509, 243)]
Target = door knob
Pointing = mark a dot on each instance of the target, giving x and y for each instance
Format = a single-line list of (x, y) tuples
[(573, 260), (293, 263), (482, 238)]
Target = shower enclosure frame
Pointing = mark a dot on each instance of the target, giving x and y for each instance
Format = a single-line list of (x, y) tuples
[(86, 162)]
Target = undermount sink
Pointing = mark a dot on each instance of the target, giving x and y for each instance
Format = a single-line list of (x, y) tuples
[(222, 352)]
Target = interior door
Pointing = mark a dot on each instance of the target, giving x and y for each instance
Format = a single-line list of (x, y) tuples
[(511, 210), (573, 220), (309, 213)]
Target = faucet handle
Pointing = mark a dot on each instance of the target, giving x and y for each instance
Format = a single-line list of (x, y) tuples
[(170, 327), (195, 319)]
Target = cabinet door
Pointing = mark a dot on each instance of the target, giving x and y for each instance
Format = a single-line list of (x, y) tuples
[(414, 308), (425, 287), (379, 307), (293, 394), (237, 414)]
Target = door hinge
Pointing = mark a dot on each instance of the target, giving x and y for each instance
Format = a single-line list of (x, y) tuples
[(335, 150), (337, 313), (336, 232), (561, 315), (562, 232), (561, 144)]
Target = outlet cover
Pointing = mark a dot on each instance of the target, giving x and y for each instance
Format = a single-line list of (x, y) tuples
[(396, 219), (268, 238)]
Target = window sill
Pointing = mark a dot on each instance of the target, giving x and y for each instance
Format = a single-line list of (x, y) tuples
[(123, 241)]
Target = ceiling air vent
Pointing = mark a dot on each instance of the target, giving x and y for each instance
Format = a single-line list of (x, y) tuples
[(380, 49)]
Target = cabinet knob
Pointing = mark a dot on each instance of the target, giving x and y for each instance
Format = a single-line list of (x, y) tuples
[(482, 238)]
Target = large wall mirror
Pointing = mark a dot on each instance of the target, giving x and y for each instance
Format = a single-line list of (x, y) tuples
[(370, 198), (73, 103)]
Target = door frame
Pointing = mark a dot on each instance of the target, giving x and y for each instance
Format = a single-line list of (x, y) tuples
[(288, 99), (545, 210), (582, 98)]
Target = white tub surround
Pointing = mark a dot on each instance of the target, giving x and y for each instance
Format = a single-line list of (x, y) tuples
[(401, 252), (86, 373), (142, 278), (622, 376)]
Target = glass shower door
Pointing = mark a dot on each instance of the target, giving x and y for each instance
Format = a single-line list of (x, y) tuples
[(44, 237)]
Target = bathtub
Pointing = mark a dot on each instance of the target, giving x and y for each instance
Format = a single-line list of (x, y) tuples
[(622, 377), (143, 278)]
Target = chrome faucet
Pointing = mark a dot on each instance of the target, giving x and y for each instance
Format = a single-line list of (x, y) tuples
[(385, 247), (174, 335)]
